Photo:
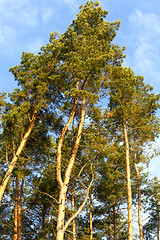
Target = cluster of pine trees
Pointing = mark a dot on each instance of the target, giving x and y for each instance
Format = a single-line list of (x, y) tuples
[(76, 135)]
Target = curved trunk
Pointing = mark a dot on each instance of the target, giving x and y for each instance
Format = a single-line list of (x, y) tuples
[(64, 185), (15, 157)]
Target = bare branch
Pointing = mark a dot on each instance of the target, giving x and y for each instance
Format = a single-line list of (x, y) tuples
[(80, 174), (82, 205), (49, 196)]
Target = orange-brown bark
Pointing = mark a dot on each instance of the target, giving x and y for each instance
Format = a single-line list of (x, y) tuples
[(20, 211), (73, 209), (90, 216), (109, 237), (129, 191), (15, 237), (15, 158), (64, 185), (139, 201)]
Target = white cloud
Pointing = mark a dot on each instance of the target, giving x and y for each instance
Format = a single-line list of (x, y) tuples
[(27, 17), (6, 32), (18, 12), (73, 4), (14, 3), (145, 40), (147, 58), (147, 25), (47, 14), (16, 18)]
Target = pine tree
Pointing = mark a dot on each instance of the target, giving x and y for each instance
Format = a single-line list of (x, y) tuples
[(86, 50), (133, 109), (152, 227)]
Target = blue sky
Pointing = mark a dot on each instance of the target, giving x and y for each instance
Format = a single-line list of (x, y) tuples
[(25, 25)]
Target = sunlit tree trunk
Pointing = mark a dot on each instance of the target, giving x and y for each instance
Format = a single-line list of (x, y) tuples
[(90, 216), (15, 158), (20, 211), (16, 211), (64, 184), (139, 201), (109, 225), (129, 191), (73, 209)]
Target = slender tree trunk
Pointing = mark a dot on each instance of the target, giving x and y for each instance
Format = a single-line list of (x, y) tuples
[(158, 226), (115, 220), (109, 235), (43, 221), (19, 211), (90, 216), (73, 209), (15, 158), (64, 185), (16, 211), (139, 201), (129, 191)]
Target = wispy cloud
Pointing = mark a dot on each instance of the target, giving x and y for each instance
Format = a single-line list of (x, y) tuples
[(145, 40), (73, 4), (147, 25), (47, 14), (17, 17), (18, 12), (7, 33)]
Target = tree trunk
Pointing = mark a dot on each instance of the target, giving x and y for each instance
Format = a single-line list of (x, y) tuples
[(64, 185), (129, 191), (115, 220), (90, 216), (139, 201), (19, 211), (15, 158), (109, 226), (15, 237), (158, 226), (73, 209)]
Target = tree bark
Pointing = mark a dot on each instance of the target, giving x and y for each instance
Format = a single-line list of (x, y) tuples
[(158, 226), (19, 211), (109, 235), (15, 157), (64, 185), (73, 209), (90, 216), (115, 220), (139, 201), (15, 237), (129, 191)]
